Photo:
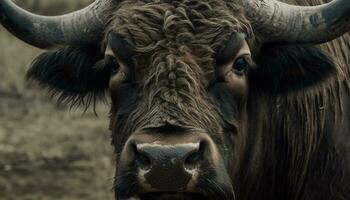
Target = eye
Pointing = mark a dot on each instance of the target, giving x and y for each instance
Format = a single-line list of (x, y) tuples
[(241, 65), (114, 65)]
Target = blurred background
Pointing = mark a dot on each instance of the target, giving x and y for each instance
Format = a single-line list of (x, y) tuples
[(48, 151)]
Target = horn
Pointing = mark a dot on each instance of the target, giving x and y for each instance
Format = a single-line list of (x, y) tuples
[(274, 21), (84, 26)]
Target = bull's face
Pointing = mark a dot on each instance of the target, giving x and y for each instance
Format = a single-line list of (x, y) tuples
[(178, 90), (181, 76)]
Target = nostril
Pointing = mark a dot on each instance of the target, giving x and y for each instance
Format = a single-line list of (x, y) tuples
[(141, 159), (194, 158)]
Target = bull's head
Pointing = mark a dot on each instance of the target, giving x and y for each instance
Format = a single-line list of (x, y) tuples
[(180, 76)]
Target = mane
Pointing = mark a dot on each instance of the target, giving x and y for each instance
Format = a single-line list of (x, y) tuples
[(301, 160), (298, 149)]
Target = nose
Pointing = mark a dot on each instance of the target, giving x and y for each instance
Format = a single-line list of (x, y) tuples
[(168, 167)]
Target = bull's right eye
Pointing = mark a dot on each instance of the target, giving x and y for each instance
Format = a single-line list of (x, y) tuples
[(110, 62), (114, 65)]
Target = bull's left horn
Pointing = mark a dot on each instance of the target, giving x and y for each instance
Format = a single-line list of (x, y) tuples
[(84, 26), (275, 21)]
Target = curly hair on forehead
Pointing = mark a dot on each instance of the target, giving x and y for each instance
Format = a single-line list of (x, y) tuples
[(187, 29), (148, 25)]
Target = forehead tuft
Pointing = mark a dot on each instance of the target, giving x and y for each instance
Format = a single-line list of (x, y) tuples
[(175, 42), (150, 25)]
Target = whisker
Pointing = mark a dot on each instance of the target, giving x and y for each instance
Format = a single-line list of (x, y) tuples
[(125, 184), (213, 189)]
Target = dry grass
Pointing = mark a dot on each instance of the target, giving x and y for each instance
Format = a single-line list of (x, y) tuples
[(46, 151)]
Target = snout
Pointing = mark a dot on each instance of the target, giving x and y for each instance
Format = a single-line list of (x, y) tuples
[(160, 165), (168, 167)]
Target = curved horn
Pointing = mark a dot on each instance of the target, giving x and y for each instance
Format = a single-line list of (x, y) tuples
[(85, 26), (275, 21)]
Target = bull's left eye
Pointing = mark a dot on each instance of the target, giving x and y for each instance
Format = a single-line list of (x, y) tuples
[(241, 65)]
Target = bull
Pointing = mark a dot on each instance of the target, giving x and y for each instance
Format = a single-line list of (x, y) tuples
[(212, 99)]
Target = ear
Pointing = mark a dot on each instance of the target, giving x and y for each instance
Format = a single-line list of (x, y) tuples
[(284, 68), (69, 74)]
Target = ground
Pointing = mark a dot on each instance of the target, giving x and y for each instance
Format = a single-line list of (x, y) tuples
[(48, 151)]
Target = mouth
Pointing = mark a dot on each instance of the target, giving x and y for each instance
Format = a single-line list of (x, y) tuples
[(127, 188), (169, 196), (209, 190)]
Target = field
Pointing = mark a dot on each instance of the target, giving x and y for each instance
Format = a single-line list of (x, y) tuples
[(48, 151)]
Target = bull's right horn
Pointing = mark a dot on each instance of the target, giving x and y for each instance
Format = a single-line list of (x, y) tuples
[(85, 26)]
